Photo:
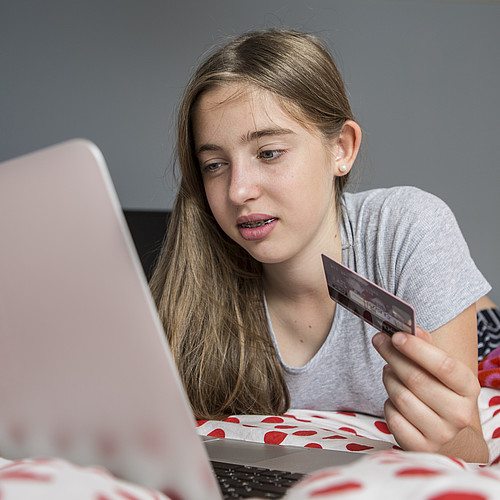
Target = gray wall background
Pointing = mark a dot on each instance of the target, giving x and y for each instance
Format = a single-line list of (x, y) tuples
[(423, 75)]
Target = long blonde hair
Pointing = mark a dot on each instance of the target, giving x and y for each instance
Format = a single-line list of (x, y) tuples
[(209, 290)]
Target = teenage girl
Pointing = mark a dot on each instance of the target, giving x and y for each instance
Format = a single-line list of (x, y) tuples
[(266, 143)]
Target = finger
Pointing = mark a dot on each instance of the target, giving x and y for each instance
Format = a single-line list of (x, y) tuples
[(423, 334), (407, 435), (435, 426), (408, 378), (452, 373), (404, 432), (429, 390)]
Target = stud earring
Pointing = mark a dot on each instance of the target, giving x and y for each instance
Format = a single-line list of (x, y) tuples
[(343, 168)]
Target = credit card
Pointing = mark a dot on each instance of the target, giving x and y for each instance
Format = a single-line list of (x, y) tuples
[(365, 299)]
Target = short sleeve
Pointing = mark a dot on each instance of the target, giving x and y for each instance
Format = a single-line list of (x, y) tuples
[(427, 263)]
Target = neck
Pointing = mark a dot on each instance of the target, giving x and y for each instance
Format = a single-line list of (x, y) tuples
[(303, 277), (298, 301)]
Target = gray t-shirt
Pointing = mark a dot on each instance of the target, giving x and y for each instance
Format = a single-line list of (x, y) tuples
[(408, 242)]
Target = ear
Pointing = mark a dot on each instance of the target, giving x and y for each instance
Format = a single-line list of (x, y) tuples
[(347, 147)]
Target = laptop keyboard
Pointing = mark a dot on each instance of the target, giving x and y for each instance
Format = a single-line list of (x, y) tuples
[(243, 481)]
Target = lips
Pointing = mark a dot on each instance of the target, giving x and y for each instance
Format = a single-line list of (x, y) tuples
[(255, 227), (254, 220), (257, 223)]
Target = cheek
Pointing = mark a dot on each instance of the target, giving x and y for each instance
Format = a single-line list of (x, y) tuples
[(216, 202), (313, 188), (210, 194), (314, 200)]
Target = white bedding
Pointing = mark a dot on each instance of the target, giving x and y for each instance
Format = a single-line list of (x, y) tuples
[(384, 472)]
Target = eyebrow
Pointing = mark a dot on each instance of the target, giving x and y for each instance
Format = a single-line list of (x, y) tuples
[(251, 136)]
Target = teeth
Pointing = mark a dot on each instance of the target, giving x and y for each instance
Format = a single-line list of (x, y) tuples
[(257, 223)]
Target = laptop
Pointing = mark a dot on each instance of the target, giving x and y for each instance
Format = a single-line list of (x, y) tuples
[(85, 370)]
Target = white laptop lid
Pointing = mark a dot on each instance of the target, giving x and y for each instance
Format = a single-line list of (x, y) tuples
[(85, 371)]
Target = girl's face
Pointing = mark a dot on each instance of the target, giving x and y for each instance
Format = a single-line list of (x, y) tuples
[(269, 180)]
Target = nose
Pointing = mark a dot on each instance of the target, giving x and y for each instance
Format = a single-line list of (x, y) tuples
[(245, 182)]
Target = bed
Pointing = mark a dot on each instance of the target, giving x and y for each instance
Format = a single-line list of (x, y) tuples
[(384, 471)]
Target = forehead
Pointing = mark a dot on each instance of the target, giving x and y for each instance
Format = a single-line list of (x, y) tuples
[(232, 93), (235, 105)]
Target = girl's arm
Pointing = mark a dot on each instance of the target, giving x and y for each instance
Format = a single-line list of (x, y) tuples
[(431, 380)]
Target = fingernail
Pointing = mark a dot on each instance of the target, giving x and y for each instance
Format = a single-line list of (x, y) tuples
[(379, 339), (399, 339)]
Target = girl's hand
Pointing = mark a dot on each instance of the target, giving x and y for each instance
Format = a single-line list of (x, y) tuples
[(432, 395)]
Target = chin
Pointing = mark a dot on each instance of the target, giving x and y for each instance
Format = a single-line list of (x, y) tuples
[(267, 257)]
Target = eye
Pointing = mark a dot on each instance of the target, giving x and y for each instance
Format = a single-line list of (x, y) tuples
[(212, 167), (271, 154)]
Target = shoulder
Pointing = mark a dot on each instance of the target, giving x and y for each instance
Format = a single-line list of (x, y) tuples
[(408, 241), (405, 198), (388, 227), (396, 209)]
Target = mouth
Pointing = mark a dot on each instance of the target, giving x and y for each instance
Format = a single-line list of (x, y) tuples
[(257, 223)]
